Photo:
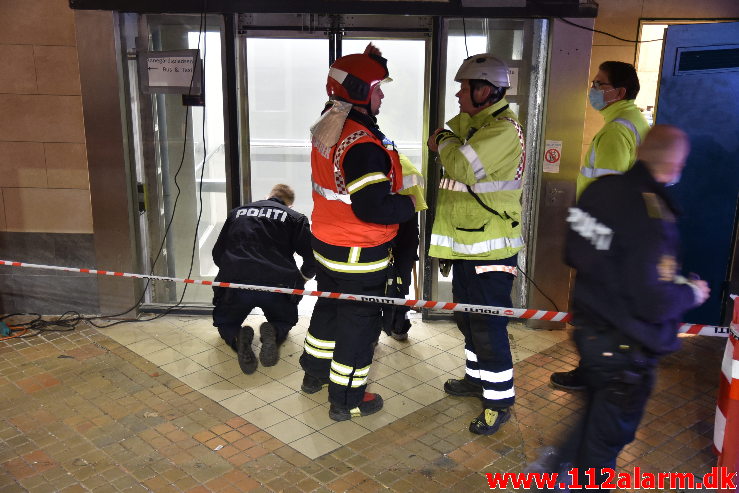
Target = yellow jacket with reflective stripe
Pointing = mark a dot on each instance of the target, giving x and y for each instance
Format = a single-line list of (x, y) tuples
[(413, 183), (613, 149), (486, 152)]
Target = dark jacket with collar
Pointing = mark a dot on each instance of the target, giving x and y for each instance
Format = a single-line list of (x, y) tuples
[(624, 242), (258, 242)]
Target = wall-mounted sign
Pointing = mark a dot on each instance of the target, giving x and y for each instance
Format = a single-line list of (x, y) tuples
[(513, 75), (173, 72), (552, 156)]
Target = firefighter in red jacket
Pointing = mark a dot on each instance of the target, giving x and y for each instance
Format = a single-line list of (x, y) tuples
[(356, 212)]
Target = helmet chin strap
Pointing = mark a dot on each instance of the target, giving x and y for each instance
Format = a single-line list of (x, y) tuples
[(492, 99)]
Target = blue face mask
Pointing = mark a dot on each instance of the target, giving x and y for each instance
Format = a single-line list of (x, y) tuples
[(597, 98)]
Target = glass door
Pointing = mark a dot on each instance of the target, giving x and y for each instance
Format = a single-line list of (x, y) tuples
[(286, 81), (178, 147)]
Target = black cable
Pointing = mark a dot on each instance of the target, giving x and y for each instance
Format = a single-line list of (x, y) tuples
[(537, 287), (464, 30), (607, 34)]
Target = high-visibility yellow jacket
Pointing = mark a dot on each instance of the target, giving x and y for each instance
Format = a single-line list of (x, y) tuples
[(485, 152), (613, 149), (413, 183)]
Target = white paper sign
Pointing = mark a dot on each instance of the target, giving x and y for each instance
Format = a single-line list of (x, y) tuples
[(513, 75), (552, 156), (167, 71)]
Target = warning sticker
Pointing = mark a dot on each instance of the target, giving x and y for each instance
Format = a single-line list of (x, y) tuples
[(552, 156)]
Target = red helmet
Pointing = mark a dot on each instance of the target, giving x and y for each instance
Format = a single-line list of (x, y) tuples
[(352, 77)]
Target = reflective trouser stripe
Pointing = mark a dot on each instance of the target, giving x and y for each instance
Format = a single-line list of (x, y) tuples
[(319, 348), (497, 395), (479, 269)]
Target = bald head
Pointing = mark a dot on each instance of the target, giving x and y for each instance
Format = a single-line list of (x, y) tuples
[(664, 152)]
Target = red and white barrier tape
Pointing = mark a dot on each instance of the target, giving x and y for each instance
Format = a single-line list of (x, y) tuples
[(431, 305)]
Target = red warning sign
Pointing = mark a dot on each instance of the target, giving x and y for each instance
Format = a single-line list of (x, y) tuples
[(552, 155)]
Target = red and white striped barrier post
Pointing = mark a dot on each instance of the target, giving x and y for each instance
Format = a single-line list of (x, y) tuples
[(726, 428)]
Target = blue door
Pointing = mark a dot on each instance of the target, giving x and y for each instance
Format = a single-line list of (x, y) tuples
[(699, 92)]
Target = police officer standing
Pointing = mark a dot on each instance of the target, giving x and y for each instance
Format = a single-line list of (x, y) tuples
[(628, 298), (477, 228), (356, 212), (257, 246), (612, 150)]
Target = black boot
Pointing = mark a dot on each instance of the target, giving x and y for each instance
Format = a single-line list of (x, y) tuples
[(246, 357)]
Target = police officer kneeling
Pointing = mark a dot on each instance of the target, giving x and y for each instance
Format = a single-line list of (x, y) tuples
[(257, 246), (628, 299)]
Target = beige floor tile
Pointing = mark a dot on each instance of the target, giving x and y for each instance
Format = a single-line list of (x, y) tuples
[(272, 391), (320, 397), (125, 335), (280, 370), (191, 346), (294, 403), (399, 382), (200, 379), (398, 360), (265, 416), (242, 403), (314, 445), (182, 367), (248, 382), (380, 370), (520, 354), (147, 346), (164, 356), (377, 388), (446, 361), (425, 394), (290, 347), (227, 369), (400, 406), (421, 351), (293, 380), (345, 431), (289, 430), (444, 342), (378, 420), (423, 371), (212, 357), (173, 337), (317, 418), (220, 391)]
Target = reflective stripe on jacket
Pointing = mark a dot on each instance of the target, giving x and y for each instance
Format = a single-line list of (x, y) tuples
[(485, 151), (333, 220), (613, 149)]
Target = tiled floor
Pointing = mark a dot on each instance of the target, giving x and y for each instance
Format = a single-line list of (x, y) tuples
[(409, 375), (162, 406)]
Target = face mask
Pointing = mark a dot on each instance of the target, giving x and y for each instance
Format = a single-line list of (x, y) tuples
[(597, 98)]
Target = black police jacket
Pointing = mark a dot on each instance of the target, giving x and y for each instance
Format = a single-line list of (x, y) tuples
[(623, 240), (258, 242)]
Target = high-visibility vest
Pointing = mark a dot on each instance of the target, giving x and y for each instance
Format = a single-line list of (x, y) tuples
[(491, 162), (333, 220), (613, 149)]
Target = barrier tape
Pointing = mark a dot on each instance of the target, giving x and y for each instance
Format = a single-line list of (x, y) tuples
[(444, 306)]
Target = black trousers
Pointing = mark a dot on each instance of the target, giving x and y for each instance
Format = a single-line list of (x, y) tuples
[(487, 349), (619, 382), (341, 336), (232, 306)]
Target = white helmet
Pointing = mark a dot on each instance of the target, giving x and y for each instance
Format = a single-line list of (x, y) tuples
[(484, 67)]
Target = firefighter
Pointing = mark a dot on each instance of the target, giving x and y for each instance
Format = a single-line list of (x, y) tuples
[(612, 151), (477, 229), (356, 212), (257, 245)]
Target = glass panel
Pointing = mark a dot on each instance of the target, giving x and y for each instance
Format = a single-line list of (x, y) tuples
[(287, 91), (183, 164)]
